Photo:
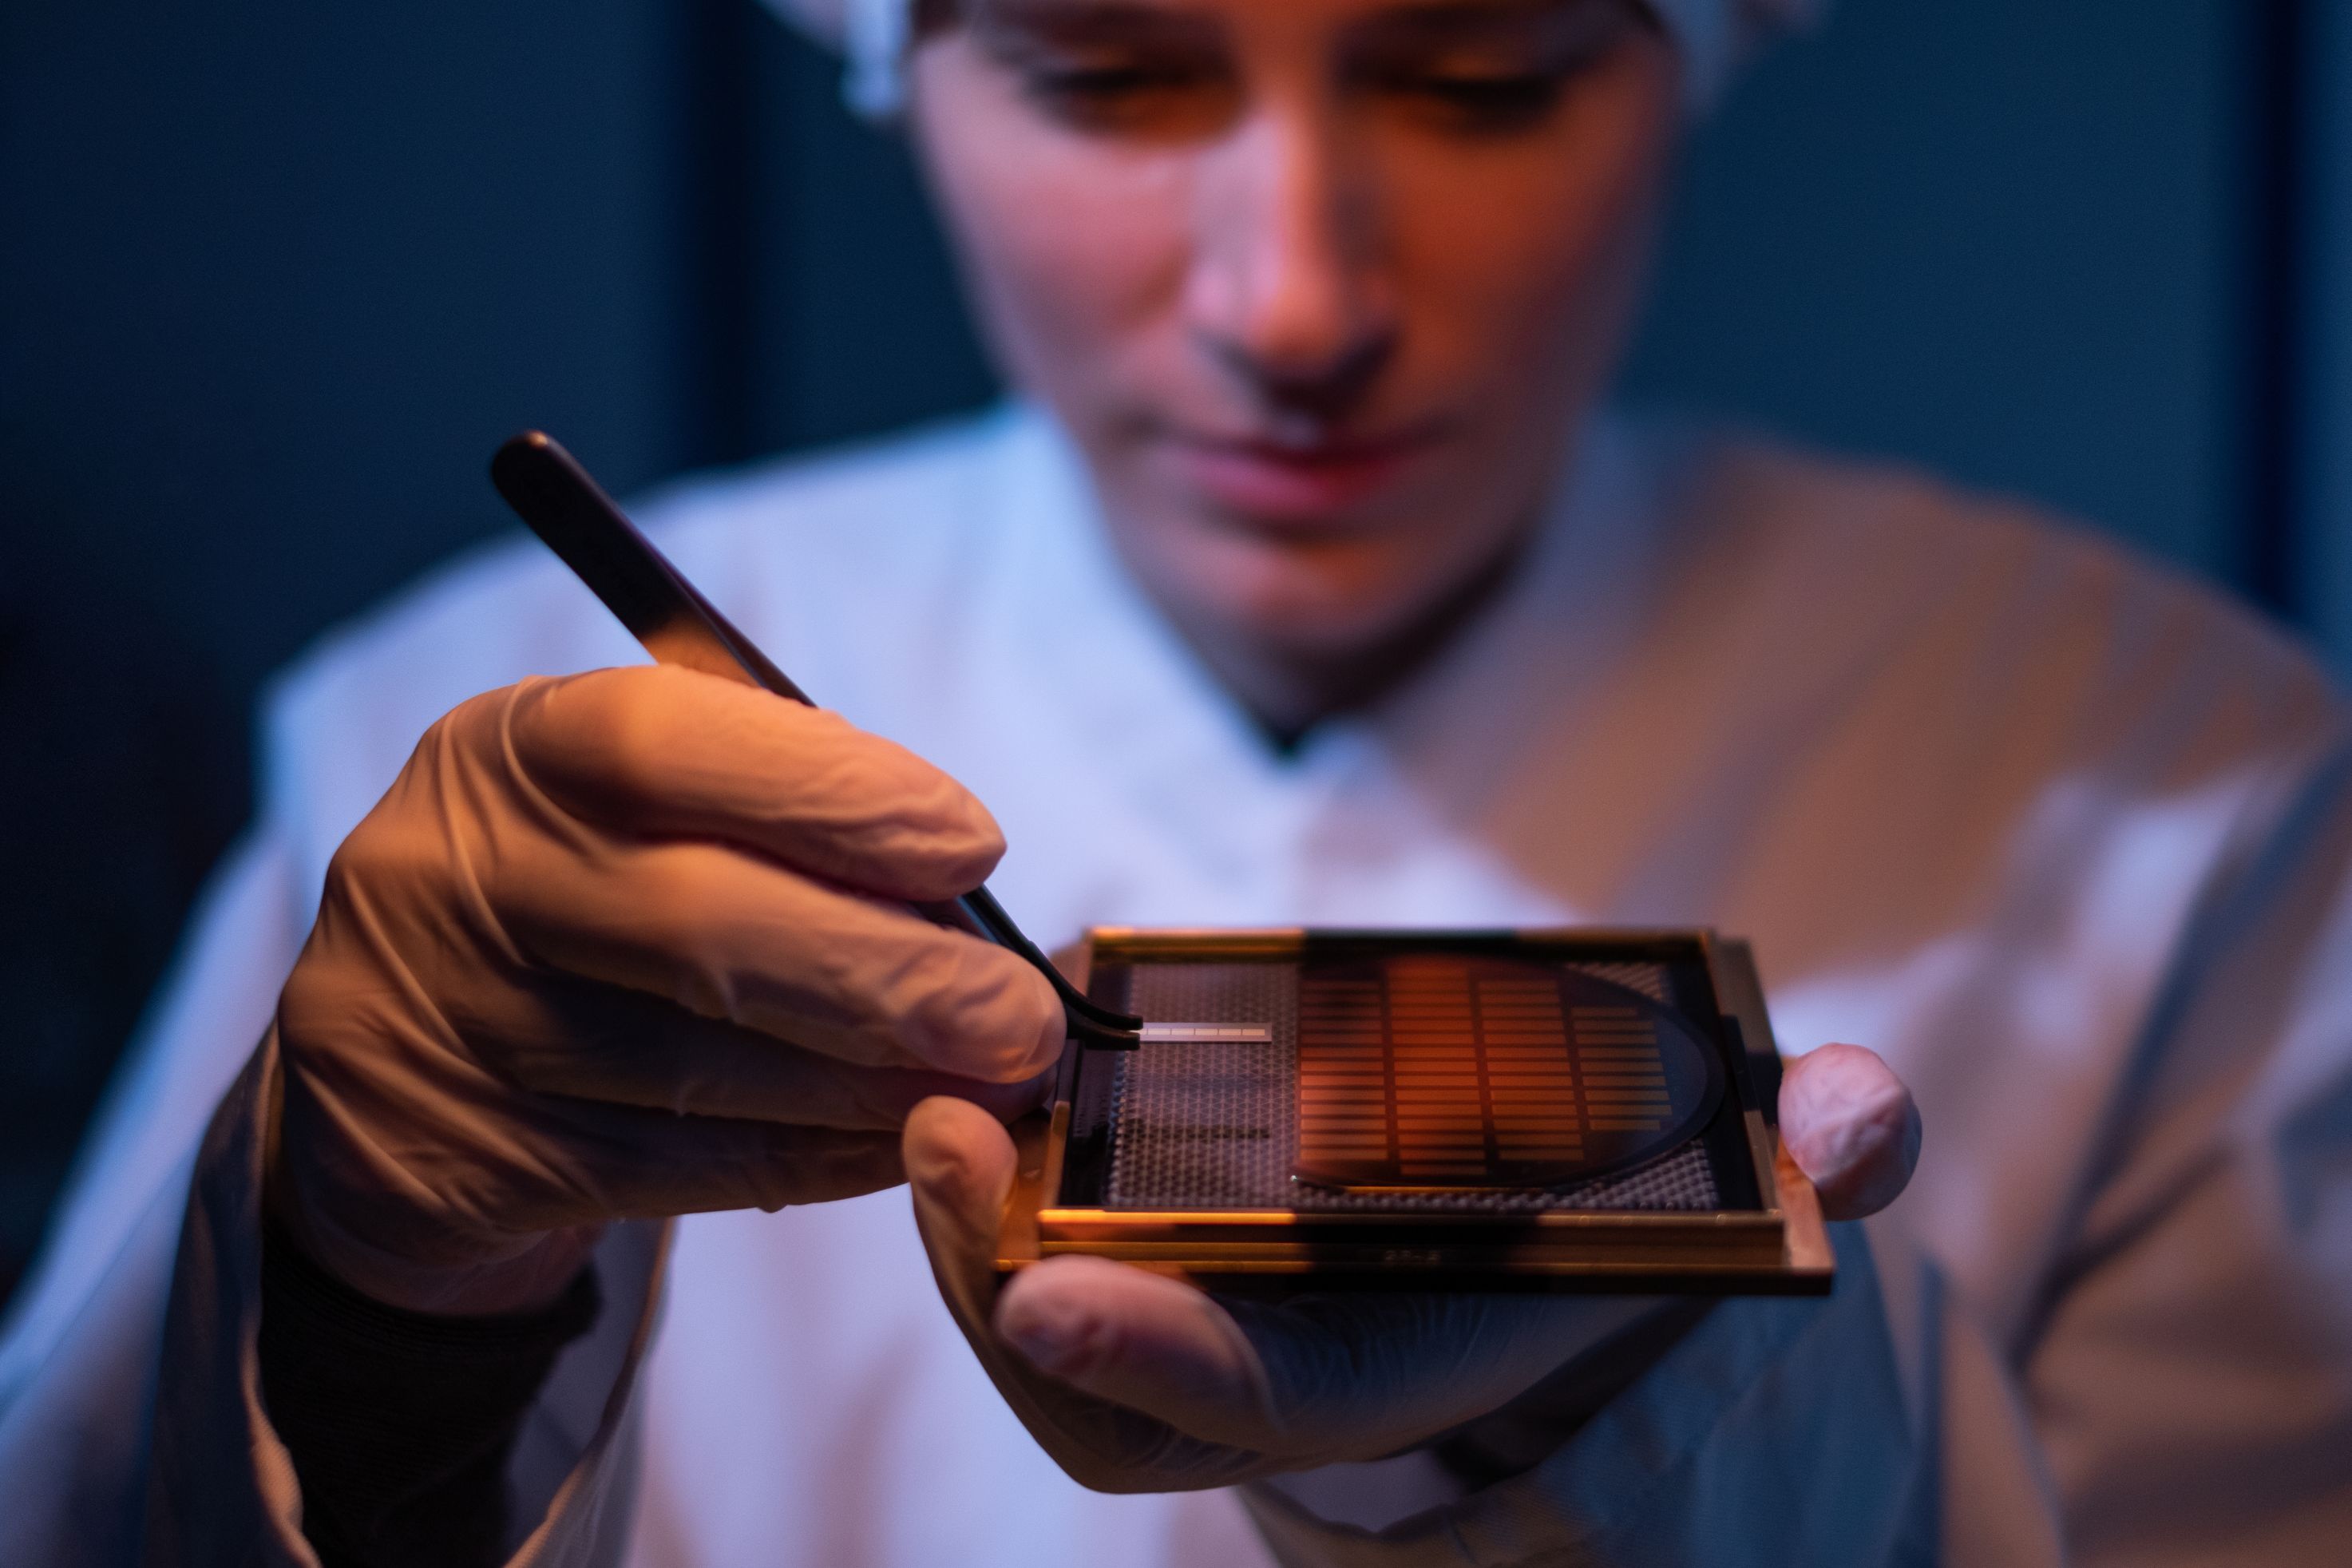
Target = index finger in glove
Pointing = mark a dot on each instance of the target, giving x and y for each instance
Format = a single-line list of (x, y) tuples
[(729, 935), (665, 751), (605, 1043)]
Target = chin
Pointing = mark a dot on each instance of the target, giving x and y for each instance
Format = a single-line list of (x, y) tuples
[(1319, 601)]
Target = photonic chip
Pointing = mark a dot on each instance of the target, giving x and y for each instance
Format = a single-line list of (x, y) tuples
[(1446, 1070), (1314, 1110)]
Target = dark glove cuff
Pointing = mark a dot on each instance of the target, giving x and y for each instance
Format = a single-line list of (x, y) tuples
[(400, 1423)]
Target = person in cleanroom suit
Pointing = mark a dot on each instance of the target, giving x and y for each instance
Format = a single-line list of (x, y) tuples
[(1308, 579)]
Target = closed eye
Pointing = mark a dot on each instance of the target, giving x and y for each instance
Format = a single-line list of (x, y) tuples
[(1497, 103)]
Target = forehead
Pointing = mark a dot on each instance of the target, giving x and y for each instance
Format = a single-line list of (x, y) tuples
[(1158, 15)]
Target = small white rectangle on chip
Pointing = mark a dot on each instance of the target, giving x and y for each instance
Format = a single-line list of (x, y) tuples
[(1207, 1034)]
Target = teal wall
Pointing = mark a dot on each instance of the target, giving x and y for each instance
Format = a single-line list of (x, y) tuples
[(2322, 497), (2006, 238)]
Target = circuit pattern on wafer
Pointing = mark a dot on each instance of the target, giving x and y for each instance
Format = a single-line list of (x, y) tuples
[(1220, 1125)]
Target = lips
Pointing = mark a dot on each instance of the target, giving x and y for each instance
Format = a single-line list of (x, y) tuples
[(1302, 484)]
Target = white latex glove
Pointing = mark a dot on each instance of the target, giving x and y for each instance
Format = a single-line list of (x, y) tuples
[(1140, 1382), (631, 943)]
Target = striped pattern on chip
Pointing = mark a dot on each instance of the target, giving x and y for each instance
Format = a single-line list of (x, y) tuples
[(1436, 1070)]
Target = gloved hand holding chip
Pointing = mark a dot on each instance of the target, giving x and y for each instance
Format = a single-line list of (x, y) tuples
[(631, 943), (1140, 1382)]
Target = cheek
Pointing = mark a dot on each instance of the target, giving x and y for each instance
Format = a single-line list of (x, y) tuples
[(1523, 256), (1523, 272), (1075, 254)]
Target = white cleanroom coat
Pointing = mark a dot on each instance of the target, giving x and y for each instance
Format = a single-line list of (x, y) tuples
[(2069, 841)]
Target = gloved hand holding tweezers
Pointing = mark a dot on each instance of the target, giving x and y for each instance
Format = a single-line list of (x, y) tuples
[(631, 943), (637, 944)]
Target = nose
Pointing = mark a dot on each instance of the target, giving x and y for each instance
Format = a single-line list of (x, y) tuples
[(1285, 292)]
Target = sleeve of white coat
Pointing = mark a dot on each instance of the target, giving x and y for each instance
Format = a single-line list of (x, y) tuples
[(2191, 1366), (2181, 1391), (78, 1358), (115, 1450)]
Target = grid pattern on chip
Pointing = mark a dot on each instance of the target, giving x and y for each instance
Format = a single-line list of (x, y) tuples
[(1209, 1124), (1649, 979)]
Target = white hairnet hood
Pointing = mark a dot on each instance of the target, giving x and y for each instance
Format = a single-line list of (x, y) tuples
[(1715, 36)]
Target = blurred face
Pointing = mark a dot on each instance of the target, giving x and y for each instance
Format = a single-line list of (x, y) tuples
[(1321, 288)]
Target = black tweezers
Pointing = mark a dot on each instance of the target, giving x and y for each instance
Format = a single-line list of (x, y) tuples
[(575, 518)]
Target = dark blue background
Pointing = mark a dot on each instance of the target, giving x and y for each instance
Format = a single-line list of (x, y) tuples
[(275, 279)]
